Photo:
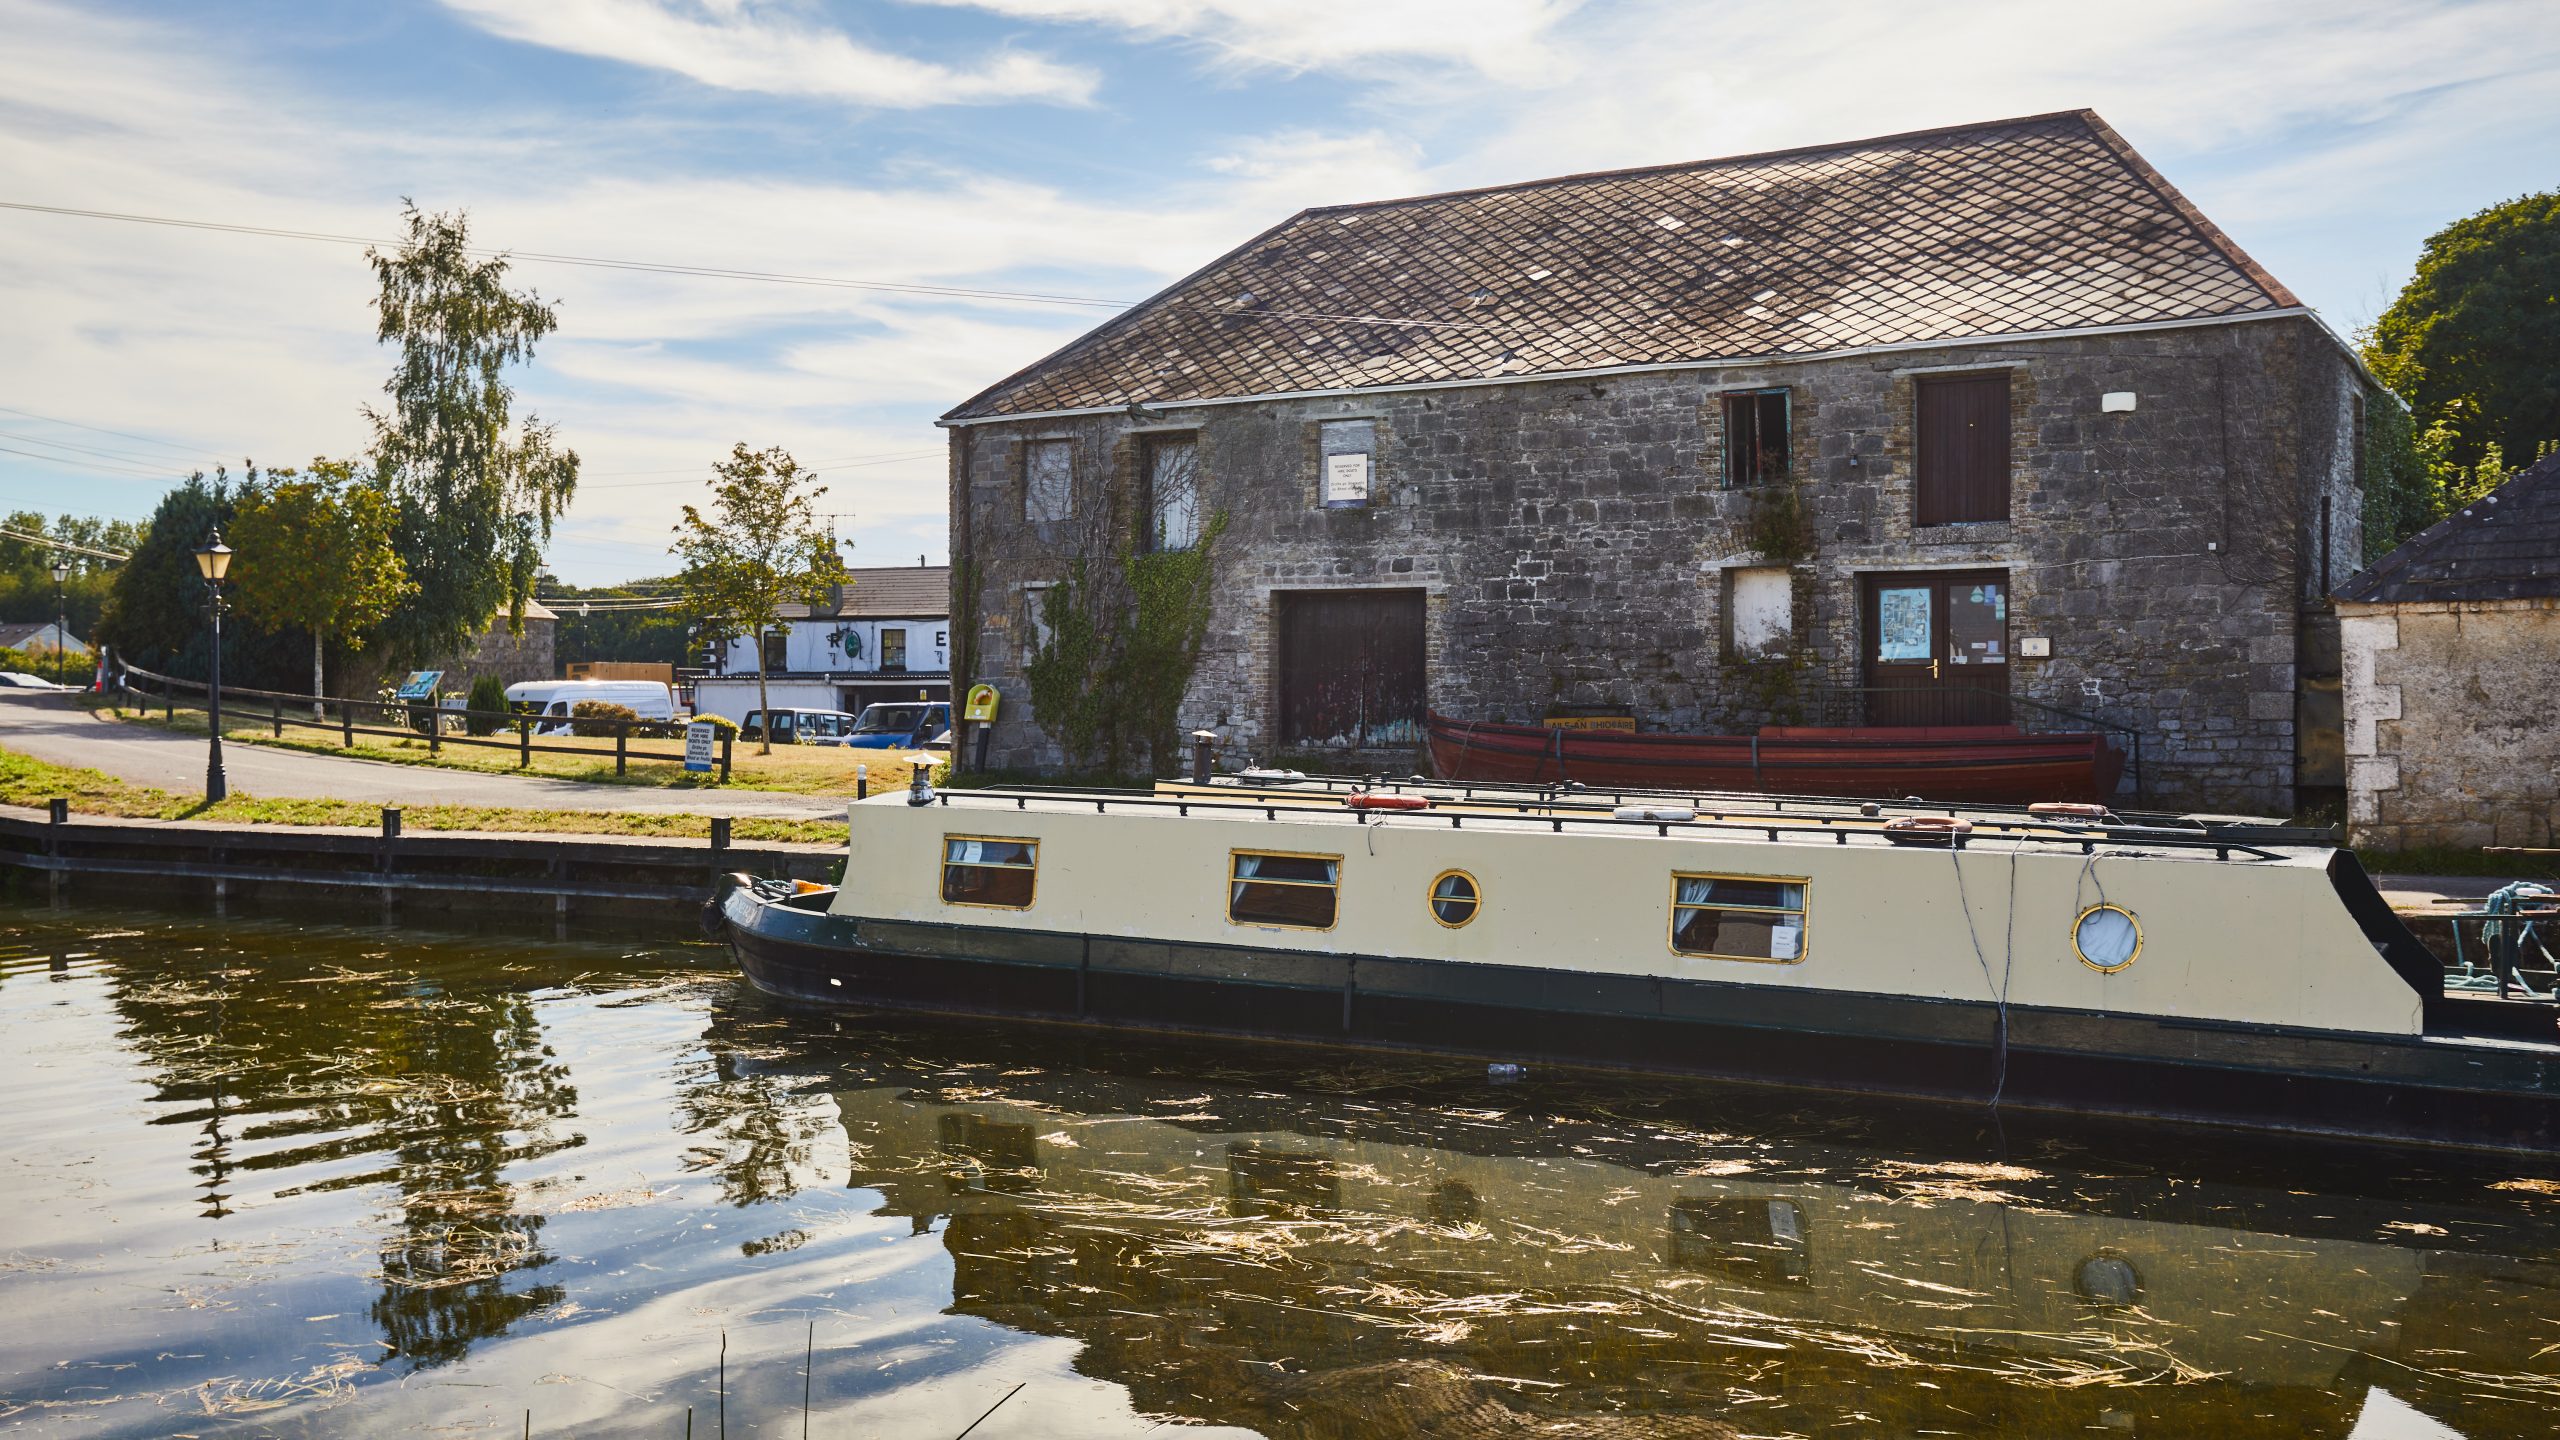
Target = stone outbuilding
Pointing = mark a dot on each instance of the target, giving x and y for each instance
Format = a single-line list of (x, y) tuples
[(1966, 426), (2451, 651)]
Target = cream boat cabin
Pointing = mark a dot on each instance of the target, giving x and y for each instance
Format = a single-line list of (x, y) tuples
[(2079, 962)]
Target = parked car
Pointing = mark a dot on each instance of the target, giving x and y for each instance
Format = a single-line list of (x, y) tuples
[(901, 725), (555, 700), (21, 680), (800, 727)]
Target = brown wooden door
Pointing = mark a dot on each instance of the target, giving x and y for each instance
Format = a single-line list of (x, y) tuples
[(1963, 444), (1351, 667), (1937, 647)]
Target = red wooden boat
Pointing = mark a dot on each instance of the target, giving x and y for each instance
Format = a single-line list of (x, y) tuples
[(1988, 763)]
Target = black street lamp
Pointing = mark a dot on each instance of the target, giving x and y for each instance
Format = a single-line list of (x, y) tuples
[(213, 561), (61, 573)]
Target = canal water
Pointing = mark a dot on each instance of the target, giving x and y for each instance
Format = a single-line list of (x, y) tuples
[(268, 1178)]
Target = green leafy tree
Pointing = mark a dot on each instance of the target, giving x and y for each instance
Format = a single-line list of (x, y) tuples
[(759, 549), (325, 558), (2473, 345), (26, 570), (476, 493)]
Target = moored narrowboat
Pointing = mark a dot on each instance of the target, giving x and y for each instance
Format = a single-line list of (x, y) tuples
[(2054, 957)]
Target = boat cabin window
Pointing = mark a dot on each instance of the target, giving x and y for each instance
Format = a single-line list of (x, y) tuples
[(1454, 899), (979, 870), (1299, 891), (1738, 917)]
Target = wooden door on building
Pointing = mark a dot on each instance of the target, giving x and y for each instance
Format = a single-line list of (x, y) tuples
[(1937, 647), (1350, 667)]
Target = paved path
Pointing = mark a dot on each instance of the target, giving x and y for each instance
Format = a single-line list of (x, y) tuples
[(53, 729)]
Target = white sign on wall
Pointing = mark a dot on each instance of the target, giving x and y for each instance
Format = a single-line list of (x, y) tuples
[(1346, 480)]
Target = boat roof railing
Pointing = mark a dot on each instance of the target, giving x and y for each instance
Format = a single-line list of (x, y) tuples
[(1777, 827)]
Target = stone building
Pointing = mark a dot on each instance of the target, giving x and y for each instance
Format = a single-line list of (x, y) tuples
[(1953, 427), (2451, 648), (524, 654)]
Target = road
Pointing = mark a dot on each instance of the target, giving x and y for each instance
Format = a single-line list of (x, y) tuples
[(53, 729)]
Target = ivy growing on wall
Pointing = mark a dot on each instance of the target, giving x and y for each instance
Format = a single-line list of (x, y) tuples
[(1122, 644), (1781, 523)]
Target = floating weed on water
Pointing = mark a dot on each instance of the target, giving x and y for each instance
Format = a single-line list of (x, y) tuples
[(230, 1395), (2547, 1189)]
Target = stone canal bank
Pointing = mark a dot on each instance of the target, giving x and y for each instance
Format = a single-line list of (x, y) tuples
[(386, 871)]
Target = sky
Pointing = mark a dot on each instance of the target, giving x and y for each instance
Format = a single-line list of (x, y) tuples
[(1092, 149)]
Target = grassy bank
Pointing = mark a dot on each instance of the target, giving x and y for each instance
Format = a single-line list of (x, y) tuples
[(792, 769), (31, 782)]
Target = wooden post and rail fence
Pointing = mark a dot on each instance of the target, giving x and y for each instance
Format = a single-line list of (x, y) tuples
[(149, 690)]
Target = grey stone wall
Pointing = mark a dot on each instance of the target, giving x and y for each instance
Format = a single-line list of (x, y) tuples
[(2452, 723), (1573, 535)]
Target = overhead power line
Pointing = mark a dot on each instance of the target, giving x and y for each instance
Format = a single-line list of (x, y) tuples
[(119, 434), (1245, 311), (653, 267), (60, 544), (99, 467)]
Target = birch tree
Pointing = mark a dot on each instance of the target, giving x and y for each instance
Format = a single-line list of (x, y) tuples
[(476, 493), (759, 548)]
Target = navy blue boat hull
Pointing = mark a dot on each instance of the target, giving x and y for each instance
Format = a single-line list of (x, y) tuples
[(2425, 1090)]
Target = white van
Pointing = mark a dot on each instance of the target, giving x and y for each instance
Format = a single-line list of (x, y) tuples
[(555, 699)]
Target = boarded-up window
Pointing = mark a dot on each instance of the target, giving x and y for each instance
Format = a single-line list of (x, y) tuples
[(1350, 459), (1351, 667), (1048, 480), (1755, 437), (1760, 611), (1173, 491), (1963, 445), (1035, 620)]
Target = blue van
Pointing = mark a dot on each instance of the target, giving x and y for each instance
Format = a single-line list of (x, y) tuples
[(901, 725)]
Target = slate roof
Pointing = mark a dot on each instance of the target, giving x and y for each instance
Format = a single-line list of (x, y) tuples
[(2503, 546), (16, 636), (2045, 223), (891, 592)]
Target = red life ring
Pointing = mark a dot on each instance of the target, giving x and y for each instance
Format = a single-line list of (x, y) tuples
[(2066, 810), (1371, 800), (1926, 829)]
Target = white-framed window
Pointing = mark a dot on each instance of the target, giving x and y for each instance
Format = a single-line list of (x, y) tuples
[(1048, 480), (1173, 491), (1036, 633)]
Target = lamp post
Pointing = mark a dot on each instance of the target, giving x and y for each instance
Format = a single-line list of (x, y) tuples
[(213, 561), (61, 573)]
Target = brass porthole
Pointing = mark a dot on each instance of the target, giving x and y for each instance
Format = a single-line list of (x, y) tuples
[(2106, 938), (1455, 898)]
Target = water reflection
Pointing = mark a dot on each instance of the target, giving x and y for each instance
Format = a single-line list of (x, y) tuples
[(335, 1182)]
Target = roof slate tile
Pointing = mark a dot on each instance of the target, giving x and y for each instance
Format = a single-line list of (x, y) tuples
[(2044, 223)]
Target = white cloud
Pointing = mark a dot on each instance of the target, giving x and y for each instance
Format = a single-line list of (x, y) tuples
[(1503, 38), (735, 45)]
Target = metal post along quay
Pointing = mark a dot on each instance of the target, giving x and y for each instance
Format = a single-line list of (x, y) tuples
[(213, 561)]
